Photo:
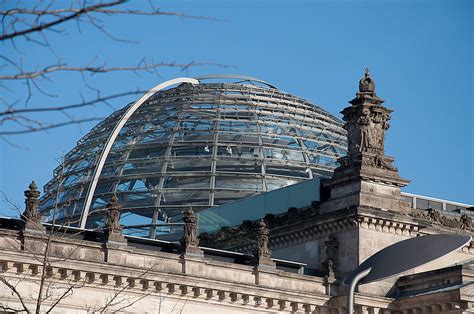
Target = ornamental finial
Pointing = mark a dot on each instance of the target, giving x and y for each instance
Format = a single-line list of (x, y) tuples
[(113, 229), (190, 241), (31, 217), (31, 201), (263, 252), (367, 84)]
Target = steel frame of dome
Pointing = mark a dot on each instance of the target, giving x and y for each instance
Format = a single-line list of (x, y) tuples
[(224, 140)]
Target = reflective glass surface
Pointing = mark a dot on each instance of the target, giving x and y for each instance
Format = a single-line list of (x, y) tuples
[(274, 202), (200, 145)]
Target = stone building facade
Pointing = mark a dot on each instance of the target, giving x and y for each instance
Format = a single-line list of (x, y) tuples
[(252, 267)]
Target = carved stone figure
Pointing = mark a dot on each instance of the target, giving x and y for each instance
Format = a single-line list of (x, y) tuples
[(113, 229), (190, 220), (435, 217), (31, 217), (329, 264), (262, 240), (31, 209), (365, 131), (466, 222), (113, 215)]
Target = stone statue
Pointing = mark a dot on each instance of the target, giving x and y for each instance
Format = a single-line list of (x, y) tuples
[(31, 209), (31, 218), (263, 250), (329, 264), (190, 241), (466, 222), (190, 220), (365, 131), (113, 215)]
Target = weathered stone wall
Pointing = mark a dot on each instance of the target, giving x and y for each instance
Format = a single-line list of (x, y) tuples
[(307, 252), (154, 280), (373, 240)]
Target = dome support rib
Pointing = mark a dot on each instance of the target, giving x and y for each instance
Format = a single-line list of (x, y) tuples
[(114, 134)]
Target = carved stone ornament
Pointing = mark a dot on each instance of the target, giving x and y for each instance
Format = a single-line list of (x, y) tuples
[(329, 264), (466, 222), (367, 84), (366, 125), (31, 209), (366, 122), (435, 217), (113, 215), (31, 216), (190, 238), (377, 161), (263, 249), (113, 228)]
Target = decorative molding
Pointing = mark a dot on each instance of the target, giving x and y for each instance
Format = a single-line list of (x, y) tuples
[(162, 285), (190, 241), (435, 217), (263, 252)]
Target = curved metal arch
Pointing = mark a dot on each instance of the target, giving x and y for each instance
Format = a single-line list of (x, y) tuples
[(110, 141), (235, 76)]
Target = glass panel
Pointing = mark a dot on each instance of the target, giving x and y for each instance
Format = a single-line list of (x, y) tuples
[(194, 150), (191, 164), (239, 182), (408, 199), (450, 207), (239, 166), (186, 182), (209, 220), (274, 183), (187, 197), (134, 218), (222, 197), (256, 207), (134, 185), (435, 205), (422, 204), (287, 170), (253, 208), (142, 153), (276, 201), (299, 193)]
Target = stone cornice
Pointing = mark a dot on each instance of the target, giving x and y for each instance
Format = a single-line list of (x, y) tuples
[(146, 272), (435, 217), (318, 226), (151, 282)]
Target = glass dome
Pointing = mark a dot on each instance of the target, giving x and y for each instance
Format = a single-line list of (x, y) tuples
[(198, 144)]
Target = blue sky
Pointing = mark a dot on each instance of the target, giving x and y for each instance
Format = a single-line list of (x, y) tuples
[(420, 54)]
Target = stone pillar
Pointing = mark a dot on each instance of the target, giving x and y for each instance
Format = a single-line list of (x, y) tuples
[(31, 218), (113, 230), (190, 241), (366, 176)]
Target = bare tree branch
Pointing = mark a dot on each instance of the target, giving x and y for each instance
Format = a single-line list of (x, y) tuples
[(15, 111), (60, 20), (102, 69), (50, 126), (15, 291), (58, 13), (29, 23)]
